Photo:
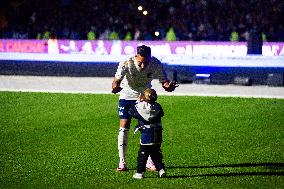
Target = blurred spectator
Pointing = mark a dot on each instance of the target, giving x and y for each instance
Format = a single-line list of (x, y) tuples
[(128, 36), (171, 36), (234, 35), (91, 35), (255, 39), (113, 36), (204, 20)]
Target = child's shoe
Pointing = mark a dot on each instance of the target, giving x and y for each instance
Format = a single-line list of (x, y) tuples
[(162, 173), (138, 176)]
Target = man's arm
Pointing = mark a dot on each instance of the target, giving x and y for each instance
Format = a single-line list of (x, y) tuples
[(169, 86), (116, 85), (120, 73)]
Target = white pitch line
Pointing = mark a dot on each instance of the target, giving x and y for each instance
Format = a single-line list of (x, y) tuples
[(100, 85)]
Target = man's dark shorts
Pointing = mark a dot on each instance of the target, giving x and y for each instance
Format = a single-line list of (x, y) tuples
[(123, 108)]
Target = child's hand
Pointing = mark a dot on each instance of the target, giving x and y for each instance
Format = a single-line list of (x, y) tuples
[(140, 98)]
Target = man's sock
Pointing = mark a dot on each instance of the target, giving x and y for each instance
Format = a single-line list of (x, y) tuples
[(122, 141)]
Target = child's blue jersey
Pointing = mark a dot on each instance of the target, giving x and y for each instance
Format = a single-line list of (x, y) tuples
[(149, 121)]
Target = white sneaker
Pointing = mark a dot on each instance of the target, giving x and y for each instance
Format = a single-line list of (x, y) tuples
[(122, 167), (138, 176), (162, 173), (150, 166)]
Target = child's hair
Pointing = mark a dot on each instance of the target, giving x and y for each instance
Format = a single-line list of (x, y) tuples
[(149, 95)]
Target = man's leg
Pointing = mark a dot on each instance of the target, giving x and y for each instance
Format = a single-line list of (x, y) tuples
[(124, 125), (122, 141)]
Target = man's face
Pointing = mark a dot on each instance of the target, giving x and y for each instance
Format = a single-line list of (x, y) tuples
[(142, 61)]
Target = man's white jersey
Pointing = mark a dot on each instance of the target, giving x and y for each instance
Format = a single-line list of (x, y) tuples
[(134, 80)]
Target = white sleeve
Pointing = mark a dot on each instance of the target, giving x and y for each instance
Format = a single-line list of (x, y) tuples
[(121, 70)]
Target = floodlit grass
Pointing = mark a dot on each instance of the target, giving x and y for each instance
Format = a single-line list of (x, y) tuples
[(70, 141)]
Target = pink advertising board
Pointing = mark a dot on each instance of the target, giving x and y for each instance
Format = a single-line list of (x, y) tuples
[(159, 48)]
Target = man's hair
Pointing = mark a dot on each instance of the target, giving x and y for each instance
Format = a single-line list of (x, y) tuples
[(150, 95), (144, 51)]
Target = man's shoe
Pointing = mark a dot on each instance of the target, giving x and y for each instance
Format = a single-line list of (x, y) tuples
[(122, 167), (150, 166)]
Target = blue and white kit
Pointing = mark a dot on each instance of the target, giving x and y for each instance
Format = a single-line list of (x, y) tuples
[(134, 80), (149, 122)]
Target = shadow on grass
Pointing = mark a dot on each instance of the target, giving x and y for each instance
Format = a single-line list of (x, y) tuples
[(268, 165), (275, 166), (230, 174)]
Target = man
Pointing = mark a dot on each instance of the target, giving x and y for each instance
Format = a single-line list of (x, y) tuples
[(131, 79)]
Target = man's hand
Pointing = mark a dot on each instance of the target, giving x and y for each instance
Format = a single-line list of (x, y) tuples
[(116, 86), (170, 86)]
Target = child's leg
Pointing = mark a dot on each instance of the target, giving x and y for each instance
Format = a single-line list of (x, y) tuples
[(157, 157), (143, 154)]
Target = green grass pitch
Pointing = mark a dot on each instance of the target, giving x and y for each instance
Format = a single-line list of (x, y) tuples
[(70, 141)]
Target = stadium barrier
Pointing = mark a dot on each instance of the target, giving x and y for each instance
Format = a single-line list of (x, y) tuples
[(224, 61)]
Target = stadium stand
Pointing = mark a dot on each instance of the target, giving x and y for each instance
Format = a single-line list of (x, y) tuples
[(204, 20), (253, 21)]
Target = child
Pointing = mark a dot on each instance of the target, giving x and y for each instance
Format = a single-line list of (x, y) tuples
[(149, 113)]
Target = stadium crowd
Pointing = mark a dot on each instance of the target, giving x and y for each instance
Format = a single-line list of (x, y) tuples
[(202, 20)]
